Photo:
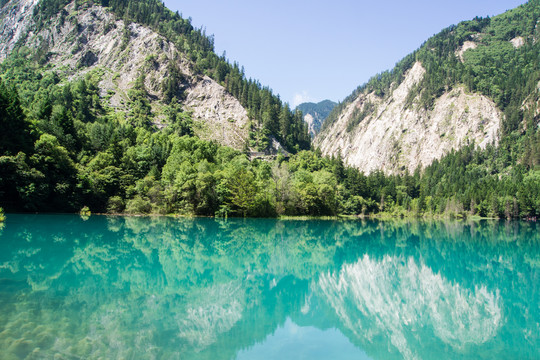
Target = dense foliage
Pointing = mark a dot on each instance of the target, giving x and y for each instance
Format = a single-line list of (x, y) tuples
[(67, 150)]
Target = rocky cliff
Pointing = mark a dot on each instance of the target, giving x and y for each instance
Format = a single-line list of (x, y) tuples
[(393, 133)]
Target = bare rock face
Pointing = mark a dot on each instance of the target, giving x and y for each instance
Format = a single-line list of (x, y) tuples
[(395, 134), (93, 40), (308, 118), (517, 42), (466, 46), (16, 20), (223, 118)]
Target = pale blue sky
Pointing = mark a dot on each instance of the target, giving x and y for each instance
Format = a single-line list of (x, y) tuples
[(315, 50)]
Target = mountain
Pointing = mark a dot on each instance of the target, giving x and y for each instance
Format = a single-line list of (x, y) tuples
[(474, 83), (315, 114), (139, 52)]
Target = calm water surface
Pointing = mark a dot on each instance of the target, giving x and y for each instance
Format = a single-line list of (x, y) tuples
[(161, 288)]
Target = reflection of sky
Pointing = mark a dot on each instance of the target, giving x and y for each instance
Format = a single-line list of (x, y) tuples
[(291, 341)]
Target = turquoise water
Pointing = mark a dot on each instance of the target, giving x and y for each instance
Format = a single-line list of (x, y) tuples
[(163, 288)]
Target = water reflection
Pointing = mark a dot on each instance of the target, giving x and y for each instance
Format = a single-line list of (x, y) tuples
[(396, 299), (212, 289)]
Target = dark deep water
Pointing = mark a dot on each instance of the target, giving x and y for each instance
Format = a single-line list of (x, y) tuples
[(164, 288)]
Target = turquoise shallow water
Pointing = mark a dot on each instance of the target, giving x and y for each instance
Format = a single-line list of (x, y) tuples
[(163, 288)]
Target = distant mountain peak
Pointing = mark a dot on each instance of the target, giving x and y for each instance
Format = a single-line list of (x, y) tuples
[(315, 114)]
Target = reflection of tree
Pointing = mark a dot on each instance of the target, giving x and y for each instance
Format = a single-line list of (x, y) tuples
[(205, 288)]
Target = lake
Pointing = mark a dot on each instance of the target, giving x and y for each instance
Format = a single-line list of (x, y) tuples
[(116, 287)]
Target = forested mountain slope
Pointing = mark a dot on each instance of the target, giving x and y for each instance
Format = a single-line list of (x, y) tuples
[(146, 63), (474, 83)]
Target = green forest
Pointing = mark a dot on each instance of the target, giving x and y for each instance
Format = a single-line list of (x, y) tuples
[(63, 148)]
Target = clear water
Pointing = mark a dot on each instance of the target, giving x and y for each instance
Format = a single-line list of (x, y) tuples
[(163, 288)]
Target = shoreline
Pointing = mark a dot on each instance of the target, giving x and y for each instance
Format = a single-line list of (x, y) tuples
[(383, 216)]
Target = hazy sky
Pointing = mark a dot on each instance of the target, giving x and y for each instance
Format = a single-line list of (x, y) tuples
[(315, 50)]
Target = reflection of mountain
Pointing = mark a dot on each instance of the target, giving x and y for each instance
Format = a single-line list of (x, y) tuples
[(394, 300), (205, 288), (216, 313)]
